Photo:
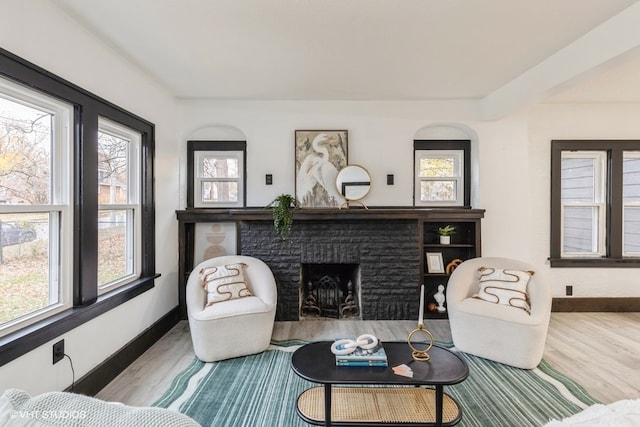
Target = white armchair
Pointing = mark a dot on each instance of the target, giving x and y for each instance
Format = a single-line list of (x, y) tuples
[(498, 332), (236, 327)]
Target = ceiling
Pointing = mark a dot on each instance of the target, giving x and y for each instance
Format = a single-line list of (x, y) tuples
[(499, 52)]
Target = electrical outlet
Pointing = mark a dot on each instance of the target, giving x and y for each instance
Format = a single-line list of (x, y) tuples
[(58, 351), (569, 290)]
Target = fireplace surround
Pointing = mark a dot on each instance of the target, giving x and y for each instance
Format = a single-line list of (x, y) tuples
[(387, 244)]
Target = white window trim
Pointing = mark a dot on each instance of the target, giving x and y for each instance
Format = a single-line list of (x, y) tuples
[(198, 158), (600, 222), (60, 210), (458, 178), (133, 207)]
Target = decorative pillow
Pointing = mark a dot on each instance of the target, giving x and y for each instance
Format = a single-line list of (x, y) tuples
[(224, 283), (504, 286)]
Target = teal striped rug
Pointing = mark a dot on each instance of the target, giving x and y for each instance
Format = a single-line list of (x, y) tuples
[(261, 391)]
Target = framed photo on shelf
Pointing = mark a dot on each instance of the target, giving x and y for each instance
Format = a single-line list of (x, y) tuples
[(319, 156), (435, 264)]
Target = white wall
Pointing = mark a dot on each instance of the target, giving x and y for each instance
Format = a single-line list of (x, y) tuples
[(513, 160), (37, 31), (571, 121)]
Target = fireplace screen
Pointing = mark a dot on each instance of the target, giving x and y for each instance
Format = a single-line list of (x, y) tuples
[(329, 290)]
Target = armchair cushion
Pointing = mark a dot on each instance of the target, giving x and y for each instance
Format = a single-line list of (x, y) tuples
[(224, 282), (504, 286)]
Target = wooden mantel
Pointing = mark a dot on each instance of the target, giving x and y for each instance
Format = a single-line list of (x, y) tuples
[(264, 214)]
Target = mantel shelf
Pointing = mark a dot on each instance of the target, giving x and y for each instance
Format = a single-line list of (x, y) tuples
[(309, 214)]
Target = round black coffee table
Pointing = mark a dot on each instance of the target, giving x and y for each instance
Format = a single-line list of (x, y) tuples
[(389, 406)]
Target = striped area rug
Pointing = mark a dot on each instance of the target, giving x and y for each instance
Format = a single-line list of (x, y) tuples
[(261, 391)]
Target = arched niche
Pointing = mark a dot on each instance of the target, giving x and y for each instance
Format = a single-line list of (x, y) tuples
[(444, 131), (217, 133)]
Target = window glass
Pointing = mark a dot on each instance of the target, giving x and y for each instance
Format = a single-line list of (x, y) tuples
[(25, 168), (444, 166), (578, 179), (220, 167)]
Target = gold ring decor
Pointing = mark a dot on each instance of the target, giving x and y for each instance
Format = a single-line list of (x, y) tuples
[(417, 354)]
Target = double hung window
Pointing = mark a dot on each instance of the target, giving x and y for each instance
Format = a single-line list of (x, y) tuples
[(442, 173), (595, 203), (76, 177), (35, 212)]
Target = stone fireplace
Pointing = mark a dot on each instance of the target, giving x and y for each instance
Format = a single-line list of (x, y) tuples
[(382, 252)]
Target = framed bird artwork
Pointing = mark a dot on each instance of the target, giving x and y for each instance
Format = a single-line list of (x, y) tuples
[(320, 155)]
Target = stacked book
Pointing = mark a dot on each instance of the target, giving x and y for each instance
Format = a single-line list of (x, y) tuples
[(361, 357)]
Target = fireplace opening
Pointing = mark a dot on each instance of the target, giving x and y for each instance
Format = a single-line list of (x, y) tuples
[(330, 291)]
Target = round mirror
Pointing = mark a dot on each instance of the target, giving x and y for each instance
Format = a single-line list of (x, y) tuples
[(353, 183)]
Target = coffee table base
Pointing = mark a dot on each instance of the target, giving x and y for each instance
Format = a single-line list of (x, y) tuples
[(387, 406)]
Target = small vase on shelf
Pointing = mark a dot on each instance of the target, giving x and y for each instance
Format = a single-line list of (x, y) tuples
[(445, 233)]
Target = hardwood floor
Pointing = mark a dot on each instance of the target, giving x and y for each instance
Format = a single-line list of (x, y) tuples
[(601, 351)]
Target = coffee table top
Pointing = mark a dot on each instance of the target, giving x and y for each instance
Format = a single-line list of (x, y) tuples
[(315, 362)]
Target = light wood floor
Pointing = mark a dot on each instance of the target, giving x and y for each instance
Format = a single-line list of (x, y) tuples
[(601, 351)]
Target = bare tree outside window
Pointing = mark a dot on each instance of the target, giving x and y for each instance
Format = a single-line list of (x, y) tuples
[(112, 223), (25, 175)]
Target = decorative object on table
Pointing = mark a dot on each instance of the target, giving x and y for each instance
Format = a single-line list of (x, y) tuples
[(420, 355), (435, 264), (282, 207), (439, 297), (452, 265), (445, 233), (319, 155), (353, 183), (366, 350)]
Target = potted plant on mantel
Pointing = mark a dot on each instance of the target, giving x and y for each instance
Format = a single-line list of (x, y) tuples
[(445, 233), (282, 207)]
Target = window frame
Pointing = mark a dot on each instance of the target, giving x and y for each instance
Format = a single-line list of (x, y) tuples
[(193, 149), (613, 250), (87, 305), (460, 147)]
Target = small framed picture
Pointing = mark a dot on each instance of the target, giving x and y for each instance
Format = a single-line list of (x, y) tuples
[(434, 262)]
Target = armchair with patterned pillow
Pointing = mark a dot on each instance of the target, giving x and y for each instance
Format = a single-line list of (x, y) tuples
[(499, 309), (231, 306)]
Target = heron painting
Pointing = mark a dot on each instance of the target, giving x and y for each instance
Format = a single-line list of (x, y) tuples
[(320, 155)]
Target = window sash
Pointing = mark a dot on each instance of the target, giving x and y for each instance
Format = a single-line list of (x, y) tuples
[(590, 228), (201, 182), (454, 194), (59, 211), (132, 210)]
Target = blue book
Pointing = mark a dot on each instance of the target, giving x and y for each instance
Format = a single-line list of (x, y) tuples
[(361, 357)]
